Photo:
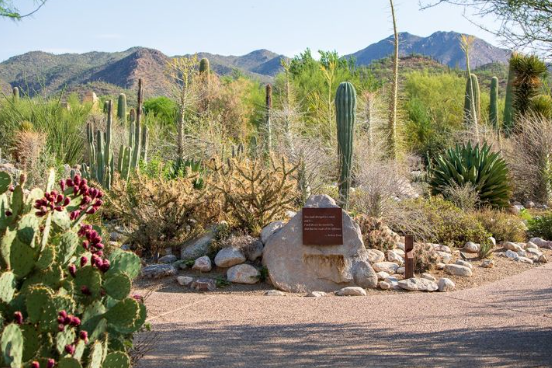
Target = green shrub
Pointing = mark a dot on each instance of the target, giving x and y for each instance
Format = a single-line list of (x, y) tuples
[(465, 164), (503, 226), (541, 226), (63, 301), (450, 225)]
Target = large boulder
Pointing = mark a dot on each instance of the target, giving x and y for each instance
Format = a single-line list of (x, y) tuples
[(270, 230), (364, 275), (294, 267), (196, 248), (243, 274)]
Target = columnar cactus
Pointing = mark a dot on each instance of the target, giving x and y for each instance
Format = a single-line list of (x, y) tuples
[(64, 303), (15, 94), (472, 100), (137, 136), (267, 129), (476, 95), (204, 68), (122, 108), (493, 108), (100, 154), (345, 106)]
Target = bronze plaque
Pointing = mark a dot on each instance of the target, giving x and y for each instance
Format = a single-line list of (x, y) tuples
[(322, 226)]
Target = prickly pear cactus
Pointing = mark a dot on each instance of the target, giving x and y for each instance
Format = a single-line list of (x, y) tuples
[(64, 302)]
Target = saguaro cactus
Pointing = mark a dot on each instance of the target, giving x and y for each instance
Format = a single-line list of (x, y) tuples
[(15, 94), (204, 67), (122, 108), (137, 136), (476, 95), (345, 106), (267, 129), (493, 108)]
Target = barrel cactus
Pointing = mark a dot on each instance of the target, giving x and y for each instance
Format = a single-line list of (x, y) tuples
[(477, 166), (64, 302), (345, 106)]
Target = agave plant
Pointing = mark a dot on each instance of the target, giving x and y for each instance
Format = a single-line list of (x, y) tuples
[(464, 165)]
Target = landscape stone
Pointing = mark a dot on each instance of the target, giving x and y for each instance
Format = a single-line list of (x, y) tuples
[(445, 257), (315, 294), (204, 284), (531, 245), (196, 248), (253, 251), (274, 293), (202, 264), (542, 259), (392, 256), (351, 291), (492, 240), (524, 260), (440, 266), (400, 270), (243, 274), (458, 270), (488, 263), (384, 285), (382, 275), (388, 267), (471, 247), (416, 284), (464, 263), (169, 258), (228, 257), (512, 246), (294, 267), (375, 255), (185, 280), (157, 271), (429, 277), (511, 254), (270, 229), (541, 242), (364, 275), (446, 284)]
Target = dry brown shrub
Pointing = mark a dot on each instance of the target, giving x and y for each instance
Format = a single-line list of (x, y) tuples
[(163, 213), (255, 193), (376, 234)]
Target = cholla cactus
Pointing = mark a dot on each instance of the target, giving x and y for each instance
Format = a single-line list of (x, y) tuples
[(376, 234), (63, 302)]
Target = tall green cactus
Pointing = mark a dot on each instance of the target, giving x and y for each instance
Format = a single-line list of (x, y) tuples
[(15, 94), (204, 68), (122, 108), (63, 302), (100, 154), (267, 128), (476, 95), (345, 107), (493, 107), (508, 120), (472, 100), (137, 136)]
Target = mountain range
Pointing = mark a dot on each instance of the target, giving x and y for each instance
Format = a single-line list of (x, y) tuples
[(111, 72)]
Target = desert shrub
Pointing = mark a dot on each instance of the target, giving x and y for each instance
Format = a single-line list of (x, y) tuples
[(63, 297), (450, 225), (163, 109), (255, 193), (485, 250), (503, 226), (162, 213), (541, 226), (376, 234), (465, 164), (463, 196), (425, 257)]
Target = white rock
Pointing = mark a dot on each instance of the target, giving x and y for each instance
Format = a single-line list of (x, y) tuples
[(445, 257), (228, 257), (384, 285), (400, 245), (492, 240), (458, 270), (400, 270), (522, 253), (471, 247), (364, 275), (440, 266), (351, 291), (315, 294), (392, 256), (488, 263), (415, 284), (464, 263), (158, 270), (243, 274), (196, 248), (446, 284), (270, 229), (510, 254), (512, 246), (202, 264), (382, 275), (524, 260), (541, 242), (399, 251), (185, 280), (533, 251), (441, 248), (388, 267), (429, 277), (531, 245), (274, 293), (254, 250), (542, 259), (375, 255), (169, 258)]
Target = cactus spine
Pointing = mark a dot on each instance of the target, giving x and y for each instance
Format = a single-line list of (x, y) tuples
[(345, 105), (267, 129), (508, 120), (493, 108), (15, 94), (122, 108)]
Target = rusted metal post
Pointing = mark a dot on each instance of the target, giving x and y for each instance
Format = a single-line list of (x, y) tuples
[(409, 256)]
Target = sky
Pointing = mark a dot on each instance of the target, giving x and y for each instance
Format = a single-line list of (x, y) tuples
[(227, 27)]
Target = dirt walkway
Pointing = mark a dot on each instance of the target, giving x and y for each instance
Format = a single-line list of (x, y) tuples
[(506, 323)]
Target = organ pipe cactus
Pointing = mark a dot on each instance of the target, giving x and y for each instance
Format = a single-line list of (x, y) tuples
[(63, 302), (122, 108), (493, 107), (267, 129), (100, 154), (345, 106)]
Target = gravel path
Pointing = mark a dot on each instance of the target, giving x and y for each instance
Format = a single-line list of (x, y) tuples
[(505, 323)]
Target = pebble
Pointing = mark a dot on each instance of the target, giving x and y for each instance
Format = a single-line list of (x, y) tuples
[(351, 291)]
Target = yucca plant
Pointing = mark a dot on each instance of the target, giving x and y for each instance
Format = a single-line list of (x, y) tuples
[(465, 164)]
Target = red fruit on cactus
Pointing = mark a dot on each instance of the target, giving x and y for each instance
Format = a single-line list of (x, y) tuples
[(83, 261), (61, 327), (85, 290), (63, 314), (18, 318), (76, 180), (72, 270), (75, 321), (9, 213), (35, 364), (83, 335), (70, 349), (105, 266), (51, 363)]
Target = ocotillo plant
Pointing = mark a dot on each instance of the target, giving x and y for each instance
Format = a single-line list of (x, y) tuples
[(493, 107), (15, 92), (508, 120), (267, 129), (345, 105), (122, 108)]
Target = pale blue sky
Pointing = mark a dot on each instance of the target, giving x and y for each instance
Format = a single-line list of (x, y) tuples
[(228, 27)]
